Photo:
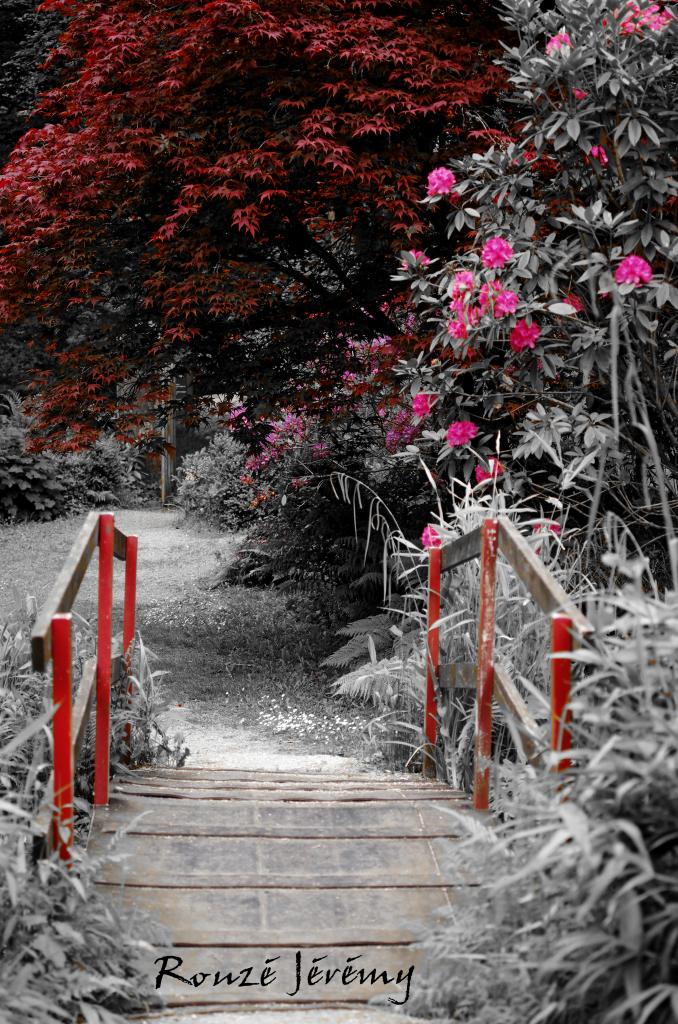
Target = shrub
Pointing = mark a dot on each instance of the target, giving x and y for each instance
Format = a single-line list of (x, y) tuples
[(47, 485), (552, 328), (107, 473), (209, 485)]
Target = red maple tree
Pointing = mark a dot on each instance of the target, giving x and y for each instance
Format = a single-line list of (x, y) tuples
[(218, 189)]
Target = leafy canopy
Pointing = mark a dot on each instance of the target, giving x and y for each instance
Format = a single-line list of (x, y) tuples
[(218, 189)]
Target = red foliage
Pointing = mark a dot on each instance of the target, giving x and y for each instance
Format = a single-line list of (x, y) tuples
[(218, 188)]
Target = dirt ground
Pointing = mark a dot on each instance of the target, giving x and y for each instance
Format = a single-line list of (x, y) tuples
[(242, 684)]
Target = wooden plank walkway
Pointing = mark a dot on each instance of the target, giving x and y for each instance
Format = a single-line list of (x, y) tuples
[(273, 871)]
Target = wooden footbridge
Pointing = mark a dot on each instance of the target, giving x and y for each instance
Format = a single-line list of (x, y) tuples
[(305, 890)]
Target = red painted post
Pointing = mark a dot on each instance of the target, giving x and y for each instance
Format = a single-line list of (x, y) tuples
[(129, 617), (61, 727), (103, 721), (489, 541), (435, 558), (561, 684)]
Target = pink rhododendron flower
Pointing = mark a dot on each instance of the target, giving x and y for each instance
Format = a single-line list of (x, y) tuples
[(633, 270), (462, 284), (461, 432), (430, 538), (579, 94), (506, 302), (484, 297), (440, 181), (321, 450), (558, 43), (496, 252), (422, 404), (496, 469), (421, 258), (653, 17), (600, 154), (457, 329), (524, 335)]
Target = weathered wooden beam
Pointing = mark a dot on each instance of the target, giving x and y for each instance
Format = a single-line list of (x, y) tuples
[(545, 590), (82, 706), (62, 595), (119, 544), (507, 694), (461, 550), (457, 676)]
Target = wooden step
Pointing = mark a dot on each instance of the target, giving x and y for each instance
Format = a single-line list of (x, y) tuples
[(192, 790), (255, 862), (287, 917), (146, 815)]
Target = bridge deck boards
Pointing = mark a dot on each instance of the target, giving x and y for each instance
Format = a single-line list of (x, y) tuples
[(241, 867)]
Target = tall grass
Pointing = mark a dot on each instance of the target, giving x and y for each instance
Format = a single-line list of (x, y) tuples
[(396, 683), (65, 953), (578, 893)]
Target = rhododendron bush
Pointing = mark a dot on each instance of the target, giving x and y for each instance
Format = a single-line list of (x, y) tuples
[(551, 320), (218, 190)]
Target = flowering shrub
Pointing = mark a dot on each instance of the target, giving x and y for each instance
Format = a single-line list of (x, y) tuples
[(552, 328)]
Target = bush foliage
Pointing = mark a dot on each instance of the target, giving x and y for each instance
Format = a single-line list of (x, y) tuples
[(553, 324), (210, 486), (45, 485)]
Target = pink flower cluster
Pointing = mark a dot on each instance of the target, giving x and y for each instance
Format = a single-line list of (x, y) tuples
[(460, 433), (284, 435), (441, 182), (505, 302), (524, 335), (496, 468), (463, 284), (430, 538), (320, 450), (633, 270), (496, 252), (559, 42), (579, 94), (600, 154), (421, 258), (654, 18), (422, 404), (402, 431), (492, 297)]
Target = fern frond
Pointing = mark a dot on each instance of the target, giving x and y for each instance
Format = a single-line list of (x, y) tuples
[(372, 624), (383, 682)]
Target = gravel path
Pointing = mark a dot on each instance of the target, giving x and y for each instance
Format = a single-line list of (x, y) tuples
[(235, 708)]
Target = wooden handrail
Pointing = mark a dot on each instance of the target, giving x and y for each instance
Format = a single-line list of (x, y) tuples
[(51, 640), (540, 582), (569, 628)]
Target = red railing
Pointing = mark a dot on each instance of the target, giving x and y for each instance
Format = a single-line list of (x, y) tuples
[(51, 640), (568, 628)]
